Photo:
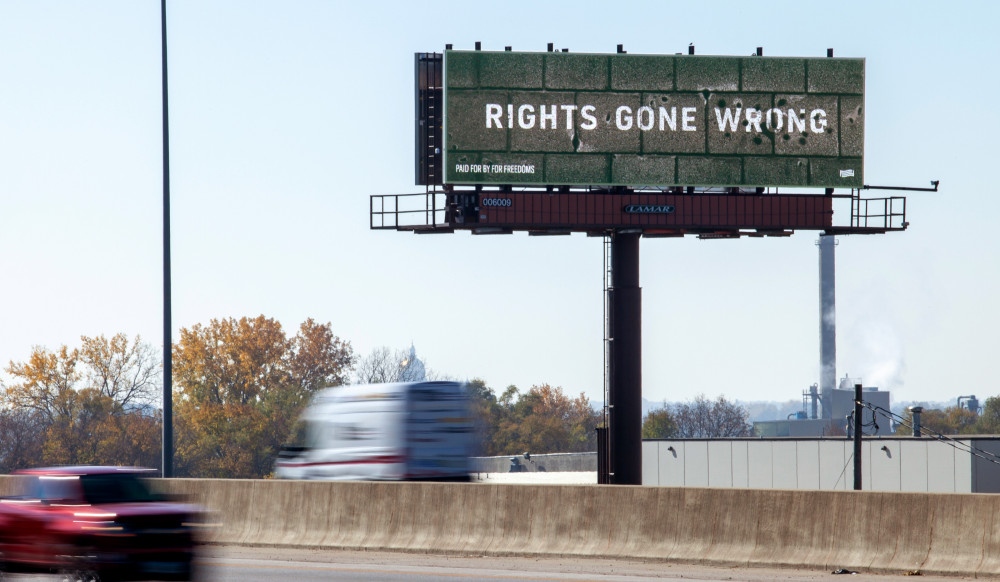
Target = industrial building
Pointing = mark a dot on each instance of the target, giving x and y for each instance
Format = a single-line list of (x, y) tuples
[(970, 464)]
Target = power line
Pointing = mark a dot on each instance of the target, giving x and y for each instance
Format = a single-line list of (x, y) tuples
[(956, 444), (844, 470)]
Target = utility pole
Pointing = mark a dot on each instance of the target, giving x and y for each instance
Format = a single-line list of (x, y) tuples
[(167, 465), (857, 437)]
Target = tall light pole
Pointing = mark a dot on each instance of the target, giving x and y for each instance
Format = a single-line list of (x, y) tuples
[(168, 405)]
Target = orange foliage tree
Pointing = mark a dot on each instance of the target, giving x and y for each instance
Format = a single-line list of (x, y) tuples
[(542, 420), (240, 384), (951, 420)]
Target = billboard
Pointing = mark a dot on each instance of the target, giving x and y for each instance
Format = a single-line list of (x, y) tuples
[(603, 120)]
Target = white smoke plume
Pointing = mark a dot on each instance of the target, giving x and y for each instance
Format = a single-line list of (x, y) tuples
[(877, 355)]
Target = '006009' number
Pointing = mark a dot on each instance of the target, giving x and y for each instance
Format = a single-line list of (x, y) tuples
[(498, 202)]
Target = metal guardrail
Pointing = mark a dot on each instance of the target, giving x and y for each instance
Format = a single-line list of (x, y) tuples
[(882, 214), (422, 212)]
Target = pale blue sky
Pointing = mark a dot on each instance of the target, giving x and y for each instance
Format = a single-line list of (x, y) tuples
[(286, 116)]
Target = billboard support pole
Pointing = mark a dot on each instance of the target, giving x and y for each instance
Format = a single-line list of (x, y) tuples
[(625, 391)]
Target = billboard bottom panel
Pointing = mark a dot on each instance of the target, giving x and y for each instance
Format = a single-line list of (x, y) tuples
[(584, 211)]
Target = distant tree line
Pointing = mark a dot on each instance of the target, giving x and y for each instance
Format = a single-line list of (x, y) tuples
[(700, 418), (542, 420), (82, 405), (719, 418), (239, 385), (955, 420)]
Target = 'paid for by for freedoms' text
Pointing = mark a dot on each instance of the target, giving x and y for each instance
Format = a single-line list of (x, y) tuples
[(495, 168)]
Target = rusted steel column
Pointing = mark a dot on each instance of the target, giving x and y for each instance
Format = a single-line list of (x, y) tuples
[(625, 393)]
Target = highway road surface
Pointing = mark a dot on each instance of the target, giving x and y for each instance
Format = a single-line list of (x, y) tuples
[(226, 564), (272, 564)]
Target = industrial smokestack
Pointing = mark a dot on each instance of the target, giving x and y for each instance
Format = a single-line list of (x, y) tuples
[(827, 321)]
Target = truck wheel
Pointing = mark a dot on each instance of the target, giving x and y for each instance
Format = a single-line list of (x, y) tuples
[(80, 569), (75, 575)]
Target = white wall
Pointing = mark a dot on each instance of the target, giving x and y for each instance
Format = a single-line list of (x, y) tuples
[(888, 464)]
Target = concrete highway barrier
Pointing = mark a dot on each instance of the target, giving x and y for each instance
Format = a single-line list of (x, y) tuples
[(864, 531)]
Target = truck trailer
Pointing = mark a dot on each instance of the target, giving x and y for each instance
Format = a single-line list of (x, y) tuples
[(401, 431)]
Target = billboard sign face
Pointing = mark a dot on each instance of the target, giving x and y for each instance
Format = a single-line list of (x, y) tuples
[(652, 120)]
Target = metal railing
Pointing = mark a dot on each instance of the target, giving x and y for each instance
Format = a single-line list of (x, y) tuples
[(879, 213), (424, 211), (428, 212)]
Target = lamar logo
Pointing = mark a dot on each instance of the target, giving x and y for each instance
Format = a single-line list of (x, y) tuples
[(649, 209)]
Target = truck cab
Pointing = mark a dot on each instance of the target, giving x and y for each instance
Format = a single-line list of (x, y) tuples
[(96, 523)]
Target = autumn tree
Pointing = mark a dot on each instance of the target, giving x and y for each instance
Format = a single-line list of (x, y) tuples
[(136, 437), (128, 373), (554, 422), (319, 359), (542, 420), (75, 437), (717, 418), (82, 405), (989, 421), (659, 423), (951, 420), (22, 434), (240, 384), (486, 413), (43, 381)]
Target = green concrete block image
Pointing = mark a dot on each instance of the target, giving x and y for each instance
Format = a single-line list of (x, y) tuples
[(836, 172), (678, 123), (633, 170), (511, 70), (852, 126), (770, 120), (461, 70), (738, 123), (576, 71), (705, 171), (775, 171), (612, 126), (540, 121), (642, 73), (466, 126), (808, 125), (845, 76), (774, 74), (577, 169), (696, 73)]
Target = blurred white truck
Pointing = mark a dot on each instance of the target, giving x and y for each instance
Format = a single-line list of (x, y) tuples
[(405, 431)]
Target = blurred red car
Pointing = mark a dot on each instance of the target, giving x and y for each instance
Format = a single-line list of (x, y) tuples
[(97, 523)]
